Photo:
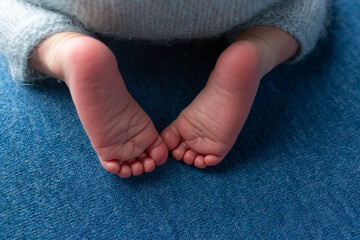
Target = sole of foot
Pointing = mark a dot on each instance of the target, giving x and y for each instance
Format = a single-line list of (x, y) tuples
[(121, 133), (206, 130)]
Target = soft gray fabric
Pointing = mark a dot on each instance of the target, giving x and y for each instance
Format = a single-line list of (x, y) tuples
[(23, 24)]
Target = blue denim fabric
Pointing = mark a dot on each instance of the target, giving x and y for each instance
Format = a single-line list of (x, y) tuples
[(294, 172)]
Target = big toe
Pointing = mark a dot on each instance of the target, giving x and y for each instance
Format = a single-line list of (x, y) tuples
[(158, 151), (212, 160), (171, 136)]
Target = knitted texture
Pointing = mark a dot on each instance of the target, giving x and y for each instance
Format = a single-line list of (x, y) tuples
[(23, 24), (306, 20), (22, 27)]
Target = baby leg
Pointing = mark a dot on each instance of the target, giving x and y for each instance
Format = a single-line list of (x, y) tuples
[(205, 131), (121, 133)]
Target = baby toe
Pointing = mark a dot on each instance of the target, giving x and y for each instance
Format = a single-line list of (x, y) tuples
[(125, 171), (199, 161), (136, 168), (111, 166), (148, 164), (189, 157), (179, 152)]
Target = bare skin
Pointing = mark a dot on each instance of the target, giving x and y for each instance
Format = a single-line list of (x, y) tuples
[(205, 131), (123, 135)]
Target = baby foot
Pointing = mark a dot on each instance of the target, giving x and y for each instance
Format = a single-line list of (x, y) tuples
[(121, 133), (206, 130)]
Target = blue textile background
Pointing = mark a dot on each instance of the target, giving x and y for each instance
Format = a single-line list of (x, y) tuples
[(294, 172)]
